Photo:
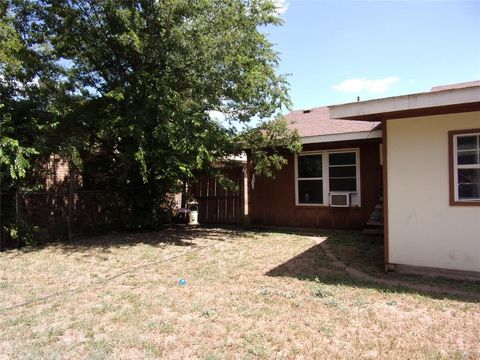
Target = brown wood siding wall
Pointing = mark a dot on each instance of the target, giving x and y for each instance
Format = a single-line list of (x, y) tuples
[(272, 201)]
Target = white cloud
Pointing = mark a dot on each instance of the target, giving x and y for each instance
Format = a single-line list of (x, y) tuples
[(372, 86), (282, 6)]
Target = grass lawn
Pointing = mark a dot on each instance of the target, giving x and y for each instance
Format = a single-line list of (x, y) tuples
[(247, 295)]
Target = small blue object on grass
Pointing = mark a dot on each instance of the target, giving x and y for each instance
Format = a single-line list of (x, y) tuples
[(182, 282)]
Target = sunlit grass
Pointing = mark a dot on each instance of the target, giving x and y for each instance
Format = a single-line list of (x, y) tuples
[(247, 295)]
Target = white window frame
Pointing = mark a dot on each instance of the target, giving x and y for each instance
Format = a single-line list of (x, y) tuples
[(323, 178), (326, 176), (456, 166)]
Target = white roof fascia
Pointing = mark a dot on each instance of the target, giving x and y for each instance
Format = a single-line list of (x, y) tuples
[(360, 135), (407, 102)]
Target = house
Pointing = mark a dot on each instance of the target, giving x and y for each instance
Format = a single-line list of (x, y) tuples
[(431, 176), (334, 183)]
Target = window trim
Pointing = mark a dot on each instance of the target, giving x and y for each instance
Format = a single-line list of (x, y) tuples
[(326, 175), (453, 167), (311, 178)]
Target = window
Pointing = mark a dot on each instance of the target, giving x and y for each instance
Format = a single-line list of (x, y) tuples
[(323, 172), (310, 179), (342, 170), (465, 167)]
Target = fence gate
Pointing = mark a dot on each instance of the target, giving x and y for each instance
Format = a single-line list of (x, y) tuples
[(217, 205)]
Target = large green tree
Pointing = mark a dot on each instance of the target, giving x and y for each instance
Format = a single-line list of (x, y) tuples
[(130, 87), (13, 155), (33, 97)]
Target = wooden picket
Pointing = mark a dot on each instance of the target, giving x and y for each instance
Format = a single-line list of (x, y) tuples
[(216, 204)]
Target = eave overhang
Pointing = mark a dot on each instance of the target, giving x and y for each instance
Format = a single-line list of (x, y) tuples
[(413, 105), (359, 135)]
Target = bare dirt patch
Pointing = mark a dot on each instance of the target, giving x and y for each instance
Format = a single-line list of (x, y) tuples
[(247, 295)]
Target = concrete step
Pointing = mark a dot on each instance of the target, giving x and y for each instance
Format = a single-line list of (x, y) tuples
[(374, 225), (373, 222), (372, 231), (375, 216)]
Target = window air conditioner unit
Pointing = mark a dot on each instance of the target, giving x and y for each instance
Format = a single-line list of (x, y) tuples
[(340, 199)]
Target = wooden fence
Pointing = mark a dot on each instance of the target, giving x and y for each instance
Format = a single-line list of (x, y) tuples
[(64, 212), (54, 214), (218, 205)]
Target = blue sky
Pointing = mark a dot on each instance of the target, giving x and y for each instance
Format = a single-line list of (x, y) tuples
[(338, 50)]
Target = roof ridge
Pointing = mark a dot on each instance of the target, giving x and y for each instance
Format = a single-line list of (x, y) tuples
[(317, 121), (310, 108)]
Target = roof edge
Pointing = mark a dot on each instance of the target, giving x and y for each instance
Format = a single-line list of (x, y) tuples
[(359, 135), (427, 103)]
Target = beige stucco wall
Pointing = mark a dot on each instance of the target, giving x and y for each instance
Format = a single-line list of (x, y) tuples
[(424, 230)]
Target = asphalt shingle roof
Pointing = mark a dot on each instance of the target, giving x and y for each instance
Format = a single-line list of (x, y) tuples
[(317, 122)]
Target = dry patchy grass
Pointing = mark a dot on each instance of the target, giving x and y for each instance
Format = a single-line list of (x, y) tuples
[(248, 295)]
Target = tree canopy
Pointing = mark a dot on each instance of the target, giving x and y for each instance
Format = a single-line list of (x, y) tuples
[(126, 89)]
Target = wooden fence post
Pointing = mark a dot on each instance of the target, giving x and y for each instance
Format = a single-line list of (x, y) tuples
[(17, 217), (1, 176), (1, 226), (70, 204)]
